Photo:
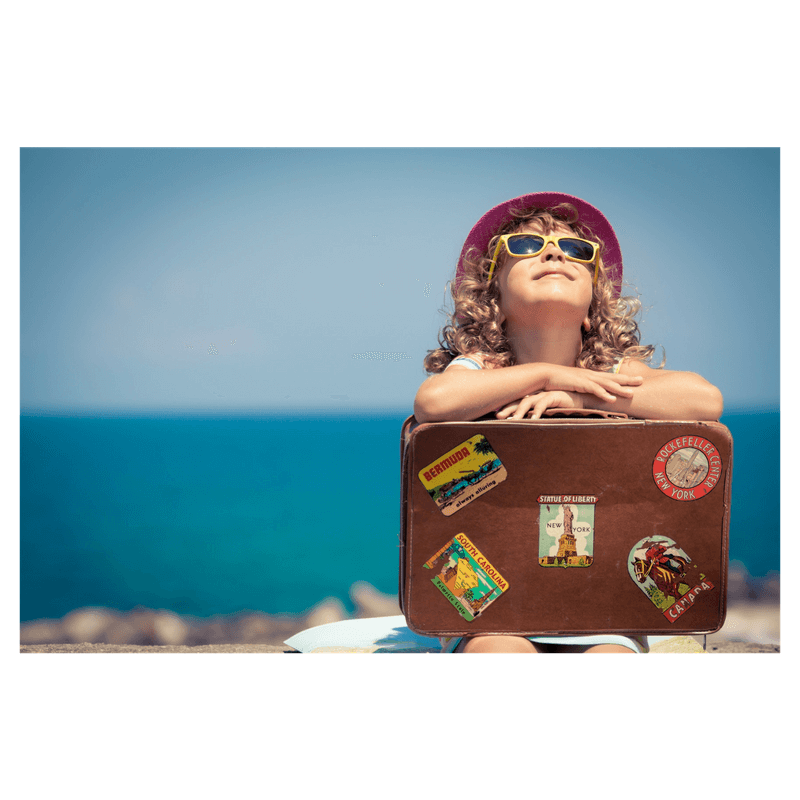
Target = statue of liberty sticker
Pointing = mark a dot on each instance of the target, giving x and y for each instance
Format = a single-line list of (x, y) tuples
[(462, 474), (566, 530), (667, 575)]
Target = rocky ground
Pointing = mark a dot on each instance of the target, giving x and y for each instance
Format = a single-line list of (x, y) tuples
[(722, 647), (148, 628), (752, 625)]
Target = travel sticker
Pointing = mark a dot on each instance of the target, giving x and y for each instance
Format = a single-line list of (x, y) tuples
[(465, 577), (462, 474), (666, 574), (687, 468), (566, 530)]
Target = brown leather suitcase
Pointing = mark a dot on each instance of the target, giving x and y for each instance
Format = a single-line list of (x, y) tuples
[(579, 524)]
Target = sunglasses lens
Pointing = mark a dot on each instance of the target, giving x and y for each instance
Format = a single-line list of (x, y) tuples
[(525, 244), (577, 249)]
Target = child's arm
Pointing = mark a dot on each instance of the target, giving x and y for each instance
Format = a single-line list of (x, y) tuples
[(663, 394), (666, 394), (460, 393)]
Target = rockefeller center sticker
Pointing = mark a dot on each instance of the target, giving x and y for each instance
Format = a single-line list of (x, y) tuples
[(687, 468)]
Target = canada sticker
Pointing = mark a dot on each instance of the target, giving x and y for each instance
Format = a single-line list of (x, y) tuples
[(667, 576), (687, 468), (462, 474), (466, 578), (566, 530)]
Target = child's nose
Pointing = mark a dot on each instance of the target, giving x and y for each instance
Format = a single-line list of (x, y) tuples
[(552, 252)]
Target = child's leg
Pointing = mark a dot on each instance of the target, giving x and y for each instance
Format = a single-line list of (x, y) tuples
[(596, 648), (608, 648), (496, 644)]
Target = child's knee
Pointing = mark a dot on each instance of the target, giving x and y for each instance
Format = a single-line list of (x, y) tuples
[(608, 648), (496, 644)]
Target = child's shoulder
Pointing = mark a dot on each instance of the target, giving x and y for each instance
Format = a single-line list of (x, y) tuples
[(471, 361), (632, 366)]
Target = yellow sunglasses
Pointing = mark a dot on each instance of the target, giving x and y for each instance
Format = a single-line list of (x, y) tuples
[(524, 245)]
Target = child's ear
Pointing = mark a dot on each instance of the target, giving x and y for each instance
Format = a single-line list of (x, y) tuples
[(587, 325)]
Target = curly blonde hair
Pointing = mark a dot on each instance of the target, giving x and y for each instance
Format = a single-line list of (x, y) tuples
[(474, 327)]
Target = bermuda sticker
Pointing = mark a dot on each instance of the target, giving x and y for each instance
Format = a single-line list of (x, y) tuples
[(462, 474), (687, 468), (465, 577), (566, 530), (666, 574)]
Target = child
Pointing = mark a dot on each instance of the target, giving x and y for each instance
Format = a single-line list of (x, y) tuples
[(538, 324)]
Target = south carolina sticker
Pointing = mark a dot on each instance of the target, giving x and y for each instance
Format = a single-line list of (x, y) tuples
[(462, 474), (687, 468), (667, 576), (566, 530), (465, 577)]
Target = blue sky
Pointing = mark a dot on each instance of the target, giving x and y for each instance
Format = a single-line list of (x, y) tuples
[(311, 279)]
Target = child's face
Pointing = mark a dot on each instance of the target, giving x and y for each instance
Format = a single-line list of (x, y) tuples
[(548, 281)]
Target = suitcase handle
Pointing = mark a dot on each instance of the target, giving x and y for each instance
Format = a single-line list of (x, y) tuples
[(583, 412), (550, 413)]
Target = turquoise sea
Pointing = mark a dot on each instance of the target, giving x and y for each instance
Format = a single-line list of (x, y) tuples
[(211, 515)]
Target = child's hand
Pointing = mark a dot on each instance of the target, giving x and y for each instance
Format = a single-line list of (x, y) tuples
[(569, 387), (534, 405), (604, 385)]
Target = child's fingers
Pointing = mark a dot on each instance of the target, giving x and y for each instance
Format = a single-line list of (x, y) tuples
[(539, 409), (507, 411), (523, 408), (551, 400), (609, 389), (516, 410), (605, 384), (605, 395), (634, 380)]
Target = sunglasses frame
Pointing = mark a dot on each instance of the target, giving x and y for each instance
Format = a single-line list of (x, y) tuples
[(548, 238)]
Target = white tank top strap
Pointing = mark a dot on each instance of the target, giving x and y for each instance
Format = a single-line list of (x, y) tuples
[(470, 362), (618, 365)]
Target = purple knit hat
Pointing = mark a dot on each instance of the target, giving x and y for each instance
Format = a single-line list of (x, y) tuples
[(488, 225)]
